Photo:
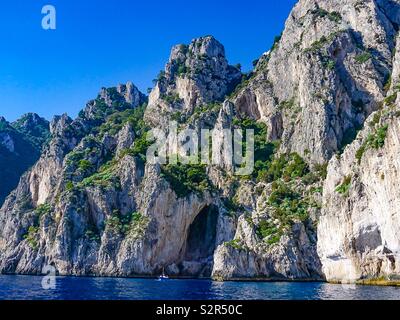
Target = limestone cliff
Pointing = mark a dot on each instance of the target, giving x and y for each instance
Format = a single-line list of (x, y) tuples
[(21, 143), (359, 226), (321, 203)]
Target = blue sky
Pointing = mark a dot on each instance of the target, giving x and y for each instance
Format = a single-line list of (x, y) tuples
[(102, 43)]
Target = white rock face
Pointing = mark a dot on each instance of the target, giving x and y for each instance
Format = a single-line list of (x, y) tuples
[(293, 258), (311, 89), (131, 94), (359, 233)]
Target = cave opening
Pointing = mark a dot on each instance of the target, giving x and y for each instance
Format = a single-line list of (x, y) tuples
[(201, 241)]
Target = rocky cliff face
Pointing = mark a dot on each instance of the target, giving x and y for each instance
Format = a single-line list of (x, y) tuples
[(358, 229), (196, 75), (20, 145), (92, 204), (321, 202), (334, 64), (324, 76)]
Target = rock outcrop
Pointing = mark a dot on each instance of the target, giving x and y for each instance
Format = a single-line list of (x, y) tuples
[(21, 143), (196, 75)]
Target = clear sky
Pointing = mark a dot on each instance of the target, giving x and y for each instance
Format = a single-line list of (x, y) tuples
[(102, 43)]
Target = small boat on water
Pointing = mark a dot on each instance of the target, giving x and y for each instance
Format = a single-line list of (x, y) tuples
[(163, 276)]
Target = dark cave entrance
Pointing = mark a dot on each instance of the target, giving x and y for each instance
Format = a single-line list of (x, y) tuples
[(201, 240)]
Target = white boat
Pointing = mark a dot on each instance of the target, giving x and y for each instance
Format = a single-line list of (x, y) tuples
[(163, 276)]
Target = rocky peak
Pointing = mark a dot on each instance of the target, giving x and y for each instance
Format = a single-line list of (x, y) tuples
[(110, 100), (29, 129), (131, 94), (203, 58), (59, 123), (195, 75), (198, 50), (208, 46), (35, 128), (29, 121)]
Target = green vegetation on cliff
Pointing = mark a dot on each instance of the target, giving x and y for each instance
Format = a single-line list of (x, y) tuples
[(375, 140), (345, 186), (187, 178), (132, 225)]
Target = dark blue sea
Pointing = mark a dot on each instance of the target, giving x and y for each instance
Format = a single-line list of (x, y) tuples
[(72, 288)]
